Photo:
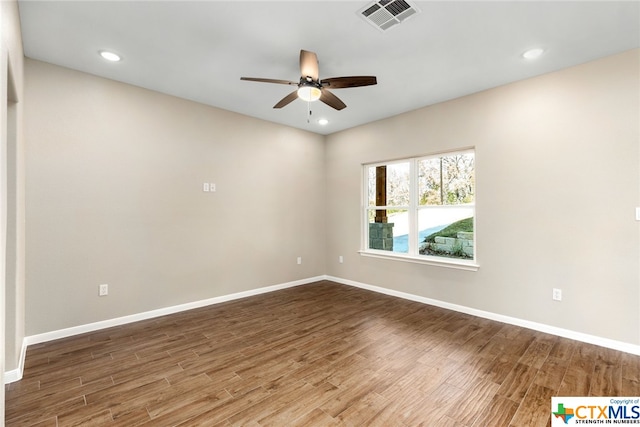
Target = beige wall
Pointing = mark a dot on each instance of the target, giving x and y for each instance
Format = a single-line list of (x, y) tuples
[(12, 258), (115, 176), (557, 170)]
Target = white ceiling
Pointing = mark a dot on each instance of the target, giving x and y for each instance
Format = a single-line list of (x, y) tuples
[(198, 50)]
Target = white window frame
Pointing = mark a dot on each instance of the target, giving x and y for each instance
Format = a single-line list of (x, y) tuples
[(413, 209)]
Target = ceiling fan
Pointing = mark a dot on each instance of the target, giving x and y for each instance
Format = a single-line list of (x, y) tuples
[(311, 88)]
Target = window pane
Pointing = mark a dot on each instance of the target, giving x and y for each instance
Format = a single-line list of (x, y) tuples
[(371, 186), (429, 182), (446, 232), (392, 235), (447, 180), (459, 179), (393, 180), (398, 184)]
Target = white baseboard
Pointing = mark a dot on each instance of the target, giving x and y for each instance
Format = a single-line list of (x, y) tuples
[(16, 374), (553, 330), (77, 330)]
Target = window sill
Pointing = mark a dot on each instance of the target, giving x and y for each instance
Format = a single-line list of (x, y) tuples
[(444, 262)]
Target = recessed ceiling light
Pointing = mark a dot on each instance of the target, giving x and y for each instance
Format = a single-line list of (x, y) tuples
[(110, 56), (533, 53), (323, 122)]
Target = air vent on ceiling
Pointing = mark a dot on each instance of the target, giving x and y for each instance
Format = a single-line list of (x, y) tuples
[(385, 14)]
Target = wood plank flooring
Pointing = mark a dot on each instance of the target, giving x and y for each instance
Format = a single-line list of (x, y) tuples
[(322, 354)]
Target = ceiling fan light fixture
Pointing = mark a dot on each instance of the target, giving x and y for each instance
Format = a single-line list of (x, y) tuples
[(309, 93)]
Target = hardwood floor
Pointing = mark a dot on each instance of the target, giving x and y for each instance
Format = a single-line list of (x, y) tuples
[(316, 355)]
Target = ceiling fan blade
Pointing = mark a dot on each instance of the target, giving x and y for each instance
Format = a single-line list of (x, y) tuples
[(331, 100), (308, 65), (287, 99), (352, 81), (258, 79)]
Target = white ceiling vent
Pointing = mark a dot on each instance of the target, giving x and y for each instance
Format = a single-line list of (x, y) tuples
[(385, 14)]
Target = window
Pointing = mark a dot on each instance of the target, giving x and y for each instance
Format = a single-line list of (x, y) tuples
[(421, 209)]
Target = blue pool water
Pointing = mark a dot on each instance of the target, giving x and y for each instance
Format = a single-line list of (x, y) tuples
[(401, 243)]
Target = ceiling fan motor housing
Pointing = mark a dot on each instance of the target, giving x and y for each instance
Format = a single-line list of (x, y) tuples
[(308, 81)]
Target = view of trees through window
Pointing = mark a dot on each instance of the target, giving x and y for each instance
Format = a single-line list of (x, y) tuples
[(422, 206), (446, 180)]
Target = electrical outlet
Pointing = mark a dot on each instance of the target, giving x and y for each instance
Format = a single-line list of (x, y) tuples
[(557, 294), (299, 260), (340, 259), (104, 290), (205, 187)]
